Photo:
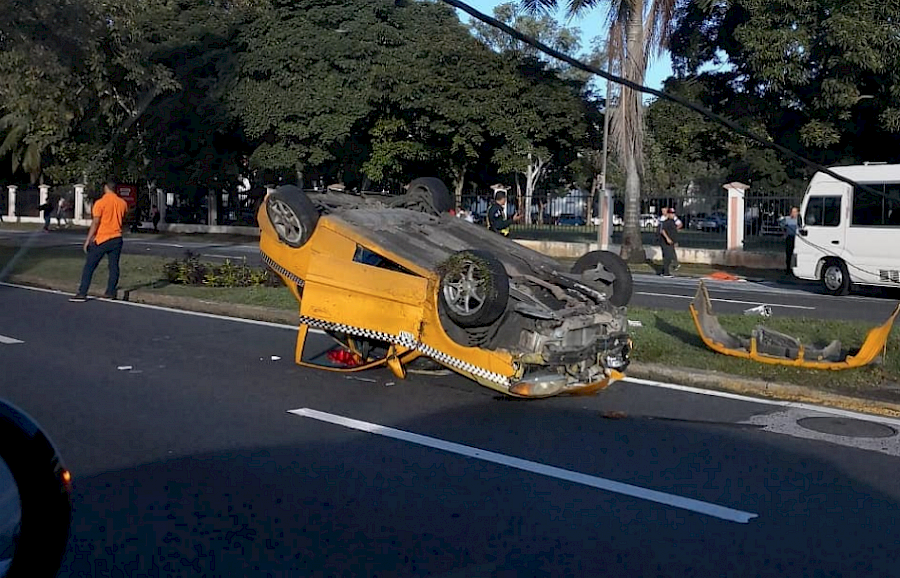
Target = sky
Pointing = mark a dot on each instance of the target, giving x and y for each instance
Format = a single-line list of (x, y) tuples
[(592, 24)]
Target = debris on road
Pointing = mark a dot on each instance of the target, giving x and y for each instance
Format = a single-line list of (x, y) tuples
[(389, 384), (275, 358), (763, 310), (366, 379), (125, 368)]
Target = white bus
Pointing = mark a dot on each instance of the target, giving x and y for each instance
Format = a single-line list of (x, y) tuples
[(850, 235)]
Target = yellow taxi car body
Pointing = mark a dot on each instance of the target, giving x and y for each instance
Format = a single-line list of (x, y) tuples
[(393, 279)]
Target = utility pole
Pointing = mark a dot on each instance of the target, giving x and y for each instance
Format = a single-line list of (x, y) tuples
[(603, 217)]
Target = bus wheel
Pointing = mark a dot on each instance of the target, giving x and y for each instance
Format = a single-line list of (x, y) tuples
[(835, 277)]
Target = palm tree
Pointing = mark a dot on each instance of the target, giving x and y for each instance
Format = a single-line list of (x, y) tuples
[(636, 28)]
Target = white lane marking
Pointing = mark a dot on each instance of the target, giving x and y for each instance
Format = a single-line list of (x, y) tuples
[(9, 340), (700, 507), (893, 422), (785, 423), (726, 300), (166, 309)]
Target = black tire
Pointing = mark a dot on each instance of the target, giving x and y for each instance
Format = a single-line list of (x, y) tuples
[(441, 197), (474, 289), (835, 277), (292, 214), (622, 286)]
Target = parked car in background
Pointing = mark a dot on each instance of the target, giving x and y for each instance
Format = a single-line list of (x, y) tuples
[(649, 221), (713, 222), (571, 221)]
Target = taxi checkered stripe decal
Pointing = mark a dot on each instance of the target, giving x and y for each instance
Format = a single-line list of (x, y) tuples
[(407, 340), (279, 269)]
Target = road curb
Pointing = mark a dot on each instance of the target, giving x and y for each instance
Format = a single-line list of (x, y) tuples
[(698, 378), (758, 388)]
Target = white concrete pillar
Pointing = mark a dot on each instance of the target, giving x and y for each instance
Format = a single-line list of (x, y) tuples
[(161, 204), (212, 208), (735, 238), (45, 192), (79, 202), (11, 207)]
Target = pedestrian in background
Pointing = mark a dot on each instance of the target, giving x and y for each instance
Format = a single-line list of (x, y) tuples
[(790, 224), (61, 208), (154, 218), (104, 238), (47, 207), (497, 220), (668, 238)]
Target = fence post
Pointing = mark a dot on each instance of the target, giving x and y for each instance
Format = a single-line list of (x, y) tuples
[(736, 192), (11, 206), (79, 202)]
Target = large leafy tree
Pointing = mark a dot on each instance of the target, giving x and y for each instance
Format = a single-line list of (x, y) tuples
[(71, 74), (819, 76)]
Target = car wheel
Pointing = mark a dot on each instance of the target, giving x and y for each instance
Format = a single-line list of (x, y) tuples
[(292, 214), (835, 277), (474, 288), (622, 286), (441, 198)]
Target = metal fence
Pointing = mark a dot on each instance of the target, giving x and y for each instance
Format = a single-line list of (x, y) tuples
[(762, 214)]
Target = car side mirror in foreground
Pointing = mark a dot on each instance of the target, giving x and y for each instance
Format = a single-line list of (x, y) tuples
[(35, 499)]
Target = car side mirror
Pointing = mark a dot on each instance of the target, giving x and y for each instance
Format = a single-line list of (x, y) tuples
[(35, 498)]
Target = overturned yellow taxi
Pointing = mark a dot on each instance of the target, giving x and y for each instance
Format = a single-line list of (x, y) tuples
[(397, 279), (767, 346)]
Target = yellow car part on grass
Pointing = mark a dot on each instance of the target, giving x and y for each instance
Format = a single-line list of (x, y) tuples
[(771, 347)]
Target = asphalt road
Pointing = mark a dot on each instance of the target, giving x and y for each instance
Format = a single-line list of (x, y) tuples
[(788, 299), (187, 462)]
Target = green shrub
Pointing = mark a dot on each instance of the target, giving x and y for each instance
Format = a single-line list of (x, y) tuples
[(191, 271)]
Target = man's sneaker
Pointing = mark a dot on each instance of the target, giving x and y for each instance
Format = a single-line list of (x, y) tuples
[(78, 298), (669, 275), (108, 296)]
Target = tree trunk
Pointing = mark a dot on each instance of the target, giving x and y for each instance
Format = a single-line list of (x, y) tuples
[(630, 133), (532, 176), (459, 184)]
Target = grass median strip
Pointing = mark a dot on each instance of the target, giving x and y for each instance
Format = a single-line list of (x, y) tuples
[(665, 337)]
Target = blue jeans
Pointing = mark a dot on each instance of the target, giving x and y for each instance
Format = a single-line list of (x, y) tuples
[(95, 254)]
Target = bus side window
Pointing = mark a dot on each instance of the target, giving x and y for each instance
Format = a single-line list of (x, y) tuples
[(892, 204), (823, 212)]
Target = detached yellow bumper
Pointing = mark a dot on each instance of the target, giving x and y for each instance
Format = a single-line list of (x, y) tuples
[(768, 346)]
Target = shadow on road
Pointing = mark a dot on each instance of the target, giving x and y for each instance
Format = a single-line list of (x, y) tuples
[(363, 505)]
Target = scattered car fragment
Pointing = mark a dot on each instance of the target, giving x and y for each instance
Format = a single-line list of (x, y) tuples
[(397, 279), (769, 346)]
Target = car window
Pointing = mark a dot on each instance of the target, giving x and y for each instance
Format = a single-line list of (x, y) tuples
[(823, 212)]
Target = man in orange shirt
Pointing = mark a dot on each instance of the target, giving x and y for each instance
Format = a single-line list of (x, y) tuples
[(104, 238)]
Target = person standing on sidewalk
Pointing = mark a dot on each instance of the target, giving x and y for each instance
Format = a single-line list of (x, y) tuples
[(47, 208), (61, 208), (104, 238), (668, 237), (790, 224)]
